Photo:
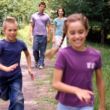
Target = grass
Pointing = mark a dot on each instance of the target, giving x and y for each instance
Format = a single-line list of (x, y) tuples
[(46, 96)]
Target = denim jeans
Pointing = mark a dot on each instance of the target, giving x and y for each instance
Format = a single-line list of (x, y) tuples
[(39, 48), (10, 88), (64, 107)]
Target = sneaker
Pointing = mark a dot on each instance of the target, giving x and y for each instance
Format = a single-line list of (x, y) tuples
[(41, 67)]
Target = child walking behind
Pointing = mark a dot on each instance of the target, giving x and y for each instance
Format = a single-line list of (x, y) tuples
[(10, 72), (74, 68)]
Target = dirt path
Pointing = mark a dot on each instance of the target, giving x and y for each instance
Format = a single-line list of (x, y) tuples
[(29, 90)]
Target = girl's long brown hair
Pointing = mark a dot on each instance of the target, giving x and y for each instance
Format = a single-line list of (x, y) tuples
[(50, 53), (72, 18)]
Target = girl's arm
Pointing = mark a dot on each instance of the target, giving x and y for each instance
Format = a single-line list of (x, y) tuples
[(101, 88), (53, 33), (28, 58), (9, 68), (60, 86)]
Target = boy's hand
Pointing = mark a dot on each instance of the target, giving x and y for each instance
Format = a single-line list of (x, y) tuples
[(12, 67), (31, 73)]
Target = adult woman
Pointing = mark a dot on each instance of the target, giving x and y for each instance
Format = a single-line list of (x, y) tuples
[(57, 29)]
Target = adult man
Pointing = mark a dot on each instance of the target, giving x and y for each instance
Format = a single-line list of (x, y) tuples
[(39, 21)]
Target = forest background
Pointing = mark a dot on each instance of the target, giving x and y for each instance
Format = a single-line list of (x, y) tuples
[(97, 11)]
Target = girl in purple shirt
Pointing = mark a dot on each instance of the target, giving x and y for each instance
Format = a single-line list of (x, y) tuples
[(74, 68)]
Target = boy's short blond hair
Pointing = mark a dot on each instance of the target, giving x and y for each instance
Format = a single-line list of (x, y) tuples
[(9, 20)]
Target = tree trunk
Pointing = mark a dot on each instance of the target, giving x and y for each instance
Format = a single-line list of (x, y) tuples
[(102, 37)]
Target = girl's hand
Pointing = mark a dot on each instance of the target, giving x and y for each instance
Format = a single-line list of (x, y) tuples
[(53, 41), (84, 94), (12, 67), (31, 73)]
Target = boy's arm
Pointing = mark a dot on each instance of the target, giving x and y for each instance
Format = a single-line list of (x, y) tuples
[(28, 58), (8, 69), (101, 88), (49, 32)]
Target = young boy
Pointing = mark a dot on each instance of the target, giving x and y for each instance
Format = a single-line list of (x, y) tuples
[(10, 71)]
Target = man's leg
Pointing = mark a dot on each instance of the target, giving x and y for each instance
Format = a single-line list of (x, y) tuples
[(43, 44), (36, 48), (16, 95)]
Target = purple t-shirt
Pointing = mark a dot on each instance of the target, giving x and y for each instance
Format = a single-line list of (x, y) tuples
[(78, 67), (10, 53), (40, 22)]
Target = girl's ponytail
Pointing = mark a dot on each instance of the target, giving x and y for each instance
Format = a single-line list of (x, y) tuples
[(50, 53)]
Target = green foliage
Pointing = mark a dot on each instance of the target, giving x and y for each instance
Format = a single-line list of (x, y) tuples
[(97, 11), (20, 9), (66, 4), (23, 34)]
